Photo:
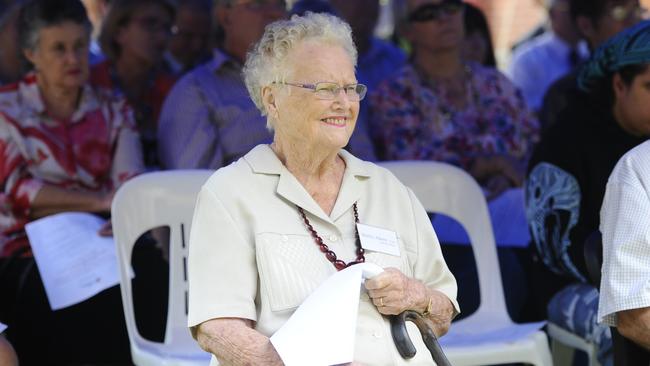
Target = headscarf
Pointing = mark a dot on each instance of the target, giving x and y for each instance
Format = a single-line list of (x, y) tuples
[(629, 47)]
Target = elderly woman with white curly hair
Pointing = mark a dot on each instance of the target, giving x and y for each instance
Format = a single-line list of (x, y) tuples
[(269, 228)]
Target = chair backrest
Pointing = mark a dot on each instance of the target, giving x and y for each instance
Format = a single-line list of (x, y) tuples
[(145, 202), (443, 188)]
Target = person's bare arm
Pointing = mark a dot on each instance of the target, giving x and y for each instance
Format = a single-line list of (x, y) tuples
[(634, 324), (234, 342), (393, 292), (7, 354), (51, 199)]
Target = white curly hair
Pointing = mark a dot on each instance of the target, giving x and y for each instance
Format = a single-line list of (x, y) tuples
[(265, 63)]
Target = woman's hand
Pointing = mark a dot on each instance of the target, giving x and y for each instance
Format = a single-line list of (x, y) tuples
[(106, 229), (393, 292), (497, 173)]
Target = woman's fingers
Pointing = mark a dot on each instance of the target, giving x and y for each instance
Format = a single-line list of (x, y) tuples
[(106, 229), (388, 291)]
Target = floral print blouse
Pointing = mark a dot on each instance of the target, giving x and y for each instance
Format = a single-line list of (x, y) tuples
[(97, 149), (412, 120)]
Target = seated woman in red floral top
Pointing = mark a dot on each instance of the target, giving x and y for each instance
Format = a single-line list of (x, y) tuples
[(441, 108), (64, 146)]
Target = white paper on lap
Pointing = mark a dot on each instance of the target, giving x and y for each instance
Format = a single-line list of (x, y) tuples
[(75, 263), (327, 316)]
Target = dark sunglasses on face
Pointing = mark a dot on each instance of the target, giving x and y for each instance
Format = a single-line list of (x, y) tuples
[(428, 12)]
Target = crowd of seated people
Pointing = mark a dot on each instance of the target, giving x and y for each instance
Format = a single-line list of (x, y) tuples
[(95, 92)]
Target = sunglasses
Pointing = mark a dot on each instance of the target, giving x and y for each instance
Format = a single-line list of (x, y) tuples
[(428, 12)]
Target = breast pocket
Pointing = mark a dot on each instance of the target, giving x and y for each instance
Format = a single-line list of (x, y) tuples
[(290, 269)]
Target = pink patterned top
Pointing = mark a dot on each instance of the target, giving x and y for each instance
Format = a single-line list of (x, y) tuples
[(97, 149), (411, 120)]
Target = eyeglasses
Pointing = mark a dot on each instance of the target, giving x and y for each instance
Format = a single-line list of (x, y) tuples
[(329, 91), (261, 5), (630, 11), (428, 12)]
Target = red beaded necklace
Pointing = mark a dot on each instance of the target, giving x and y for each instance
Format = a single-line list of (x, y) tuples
[(330, 255)]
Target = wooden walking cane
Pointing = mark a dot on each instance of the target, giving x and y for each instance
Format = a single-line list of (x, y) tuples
[(403, 341)]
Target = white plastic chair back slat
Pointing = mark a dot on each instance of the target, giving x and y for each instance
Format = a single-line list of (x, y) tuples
[(443, 188), (145, 202)]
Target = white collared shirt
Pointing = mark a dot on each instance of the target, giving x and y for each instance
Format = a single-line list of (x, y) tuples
[(251, 256), (625, 224)]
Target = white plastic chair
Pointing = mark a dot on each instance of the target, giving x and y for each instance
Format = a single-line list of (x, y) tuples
[(563, 344), (445, 189), (143, 203)]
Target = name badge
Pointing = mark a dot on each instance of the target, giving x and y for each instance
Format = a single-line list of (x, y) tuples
[(378, 239)]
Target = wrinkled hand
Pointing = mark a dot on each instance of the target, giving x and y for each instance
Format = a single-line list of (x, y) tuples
[(106, 229), (393, 292)]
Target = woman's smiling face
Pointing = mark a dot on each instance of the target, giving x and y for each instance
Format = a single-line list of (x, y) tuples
[(301, 118)]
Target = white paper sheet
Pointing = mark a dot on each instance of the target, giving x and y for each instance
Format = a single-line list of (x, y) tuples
[(2, 327), (508, 216), (74, 261), (321, 331), (505, 335)]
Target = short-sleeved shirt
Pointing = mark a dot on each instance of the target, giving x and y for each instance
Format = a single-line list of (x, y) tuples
[(95, 150), (625, 224), (410, 119), (252, 257)]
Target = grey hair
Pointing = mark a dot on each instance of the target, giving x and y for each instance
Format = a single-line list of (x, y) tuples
[(265, 63)]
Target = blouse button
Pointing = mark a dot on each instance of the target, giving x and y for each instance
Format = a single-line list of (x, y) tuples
[(285, 238), (333, 238), (376, 334)]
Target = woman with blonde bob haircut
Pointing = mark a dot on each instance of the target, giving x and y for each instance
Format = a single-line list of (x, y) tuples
[(271, 227)]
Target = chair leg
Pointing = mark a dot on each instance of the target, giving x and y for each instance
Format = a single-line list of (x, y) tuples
[(593, 357), (562, 354)]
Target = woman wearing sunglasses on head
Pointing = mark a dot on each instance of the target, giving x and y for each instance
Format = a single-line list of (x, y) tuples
[(441, 107)]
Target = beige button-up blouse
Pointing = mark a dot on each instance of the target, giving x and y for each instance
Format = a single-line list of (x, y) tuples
[(252, 257)]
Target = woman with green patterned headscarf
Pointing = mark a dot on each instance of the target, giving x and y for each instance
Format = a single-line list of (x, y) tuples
[(615, 74), (567, 174)]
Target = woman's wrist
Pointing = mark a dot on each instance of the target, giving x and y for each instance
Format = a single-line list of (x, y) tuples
[(100, 202), (423, 297)]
